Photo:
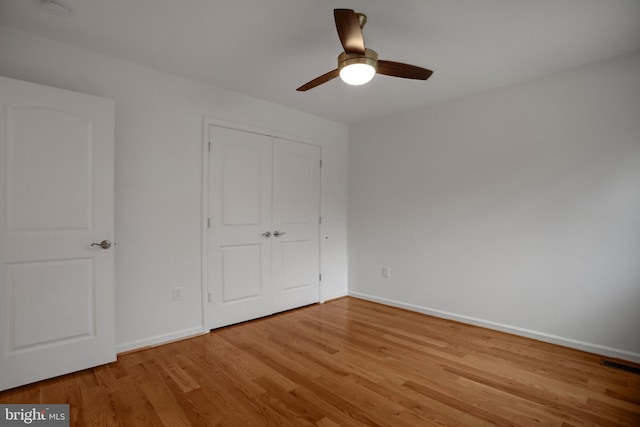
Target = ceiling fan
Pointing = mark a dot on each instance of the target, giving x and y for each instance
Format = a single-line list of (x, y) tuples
[(357, 65)]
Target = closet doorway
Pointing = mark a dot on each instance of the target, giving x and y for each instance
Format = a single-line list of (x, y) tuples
[(263, 225)]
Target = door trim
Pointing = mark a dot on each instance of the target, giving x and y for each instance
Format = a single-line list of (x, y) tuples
[(204, 247)]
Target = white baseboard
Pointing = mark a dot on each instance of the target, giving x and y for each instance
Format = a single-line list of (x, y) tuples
[(540, 336), (160, 339), (335, 296)]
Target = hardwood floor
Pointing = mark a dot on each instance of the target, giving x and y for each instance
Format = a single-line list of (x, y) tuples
[(350, 363)]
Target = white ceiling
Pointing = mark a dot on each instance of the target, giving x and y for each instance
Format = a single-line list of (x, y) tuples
[(267, 48)]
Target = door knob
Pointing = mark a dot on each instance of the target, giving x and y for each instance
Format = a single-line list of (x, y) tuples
[(105, 244), (267, 234), (279, 233)]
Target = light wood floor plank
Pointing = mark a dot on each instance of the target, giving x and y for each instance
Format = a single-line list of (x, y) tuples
[(347, 363)]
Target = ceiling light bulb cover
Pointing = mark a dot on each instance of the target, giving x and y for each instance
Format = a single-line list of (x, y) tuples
[(357, 74), (357, 69)]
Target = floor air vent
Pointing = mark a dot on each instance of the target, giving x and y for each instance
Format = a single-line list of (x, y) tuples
[(620, 366)]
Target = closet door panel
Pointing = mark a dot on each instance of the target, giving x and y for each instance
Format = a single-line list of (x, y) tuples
[(239, 258), (296, 215)]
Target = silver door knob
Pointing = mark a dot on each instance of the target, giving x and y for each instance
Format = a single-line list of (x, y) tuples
[(105, 244), (267, 234), (279, 233)]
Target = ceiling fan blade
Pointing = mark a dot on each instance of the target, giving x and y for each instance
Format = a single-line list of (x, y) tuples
[(398, 69), (319, 80), (349, 30)]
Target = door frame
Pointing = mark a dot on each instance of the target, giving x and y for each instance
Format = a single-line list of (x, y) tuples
[(204, 235)]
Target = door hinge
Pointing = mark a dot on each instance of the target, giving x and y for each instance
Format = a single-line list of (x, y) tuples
[(320, 277), (208, 222), (319, 220), (320, 164), (209, 146), (208, 296)]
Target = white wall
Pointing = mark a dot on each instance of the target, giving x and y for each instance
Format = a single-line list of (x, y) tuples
[(159, 134), (517, 209)]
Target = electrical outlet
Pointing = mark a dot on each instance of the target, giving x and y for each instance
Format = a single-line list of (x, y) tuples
[(177, 293), (386, 272)]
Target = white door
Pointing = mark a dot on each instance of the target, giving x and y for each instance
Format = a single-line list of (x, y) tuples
[(56, 199), (239, 269), (263, 239), (296, 228)]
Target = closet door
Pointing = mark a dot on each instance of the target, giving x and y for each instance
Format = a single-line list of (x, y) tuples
[(239, 255), (296, 228), (263, 236)]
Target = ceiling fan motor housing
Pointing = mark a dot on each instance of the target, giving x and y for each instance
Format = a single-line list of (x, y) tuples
[(370, 57)]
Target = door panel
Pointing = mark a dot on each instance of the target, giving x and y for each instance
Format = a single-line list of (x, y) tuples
[(296, 208), (56, 198), (242, 185), (42, 314), (297, 265), (239, 282), (41, 175), (296, 181), (239, 265)]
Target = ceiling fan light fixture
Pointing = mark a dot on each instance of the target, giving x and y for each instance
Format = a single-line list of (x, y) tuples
[(357, 65), (357, 74), (356, 69)]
